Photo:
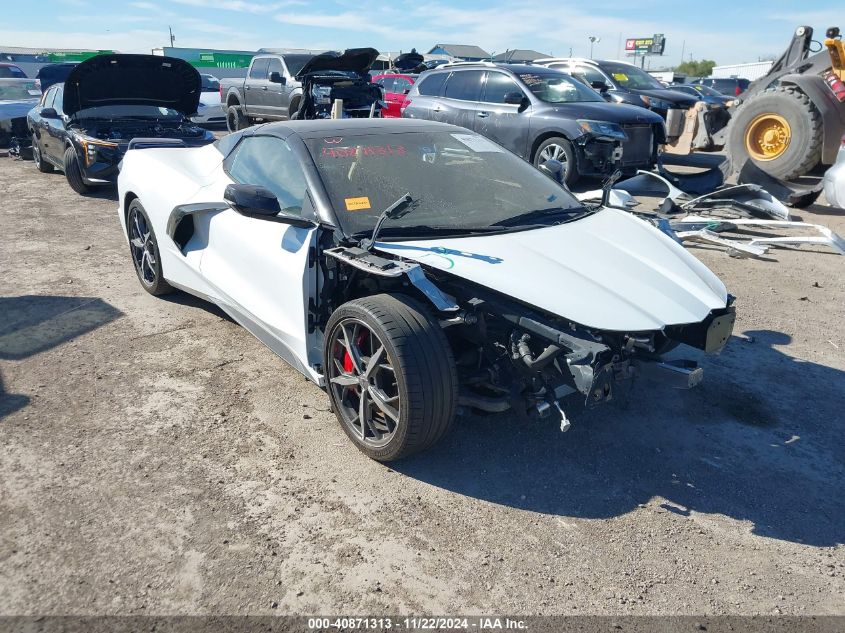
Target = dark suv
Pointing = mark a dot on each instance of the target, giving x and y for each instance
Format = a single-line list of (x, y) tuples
[(625, 83), (539, 114)]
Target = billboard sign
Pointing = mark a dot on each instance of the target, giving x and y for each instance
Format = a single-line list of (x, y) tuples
[(645, 45)]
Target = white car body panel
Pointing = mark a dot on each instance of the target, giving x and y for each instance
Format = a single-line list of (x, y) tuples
[(613, 271), (210, 109), (834, 181)]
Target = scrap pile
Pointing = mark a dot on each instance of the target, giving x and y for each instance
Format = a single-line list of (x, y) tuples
[(746, 219)]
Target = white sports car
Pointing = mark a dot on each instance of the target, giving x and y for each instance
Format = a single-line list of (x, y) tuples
[(410, 267)]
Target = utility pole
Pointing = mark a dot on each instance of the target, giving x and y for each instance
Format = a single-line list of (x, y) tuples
[(172, 37), (593, 40), (683, 47)]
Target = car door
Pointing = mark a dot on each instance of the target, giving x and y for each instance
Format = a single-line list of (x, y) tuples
[(259, 266), (388, 82), (275, 95), (459, 103), (255, 86), (39, 127), (426, 96), (54, 133), (505, 123)]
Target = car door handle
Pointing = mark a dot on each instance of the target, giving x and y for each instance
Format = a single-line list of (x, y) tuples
[(483, 115), (264, 87), (437, 109)]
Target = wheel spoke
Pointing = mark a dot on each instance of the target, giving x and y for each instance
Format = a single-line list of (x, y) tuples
[(351, 349), (137, 242), (373, 362), (363, 414), (345, 380), (382, 402)]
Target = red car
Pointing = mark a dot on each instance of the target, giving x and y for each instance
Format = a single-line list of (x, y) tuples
[(396, 88)]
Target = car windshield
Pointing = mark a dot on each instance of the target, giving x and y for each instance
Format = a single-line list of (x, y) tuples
[(115, 112), (558, 87), (210, 83), (707, 91), (15, 89), (631, 77), (460, 182), (296, 62)]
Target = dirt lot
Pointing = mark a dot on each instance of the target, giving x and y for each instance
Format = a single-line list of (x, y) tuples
[(158, 459)]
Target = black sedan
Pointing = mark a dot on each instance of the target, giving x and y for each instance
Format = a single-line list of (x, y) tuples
[(83, 126)]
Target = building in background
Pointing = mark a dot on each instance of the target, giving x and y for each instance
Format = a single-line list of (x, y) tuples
[(459, 53), (752, 70), (519, 56), (30, 60), (220, 63)]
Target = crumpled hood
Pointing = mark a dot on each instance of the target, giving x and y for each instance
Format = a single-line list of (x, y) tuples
[(358, 60), (610, 271), (16, 109), (148, 80), (667, 94), (620, 113)]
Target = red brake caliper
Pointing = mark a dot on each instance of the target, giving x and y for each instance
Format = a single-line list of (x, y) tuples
[(347, 359)]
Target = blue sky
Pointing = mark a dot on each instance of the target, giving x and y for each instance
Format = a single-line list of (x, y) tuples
[(729, 31)]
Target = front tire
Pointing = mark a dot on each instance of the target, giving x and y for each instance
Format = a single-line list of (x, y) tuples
[(780, 130), (558, 148), (143, 248), (390, 375), (294, 107), (235, 119), (73, 172), (42, 165)]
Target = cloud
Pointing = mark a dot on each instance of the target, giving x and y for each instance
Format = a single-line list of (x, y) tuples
[(243, 6)]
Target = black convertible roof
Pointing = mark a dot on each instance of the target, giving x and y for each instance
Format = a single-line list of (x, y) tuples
[(320, 128)]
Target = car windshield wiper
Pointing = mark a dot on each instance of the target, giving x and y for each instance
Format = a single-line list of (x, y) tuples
[(418, 231), (552, 215)]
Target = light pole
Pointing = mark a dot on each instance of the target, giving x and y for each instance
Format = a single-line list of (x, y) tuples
[(593, 40)]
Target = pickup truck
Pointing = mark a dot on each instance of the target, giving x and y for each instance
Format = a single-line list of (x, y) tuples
[(281, 86), (270, 90)]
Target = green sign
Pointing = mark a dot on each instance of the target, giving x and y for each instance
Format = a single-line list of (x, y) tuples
[(221, 60), (65, 56)]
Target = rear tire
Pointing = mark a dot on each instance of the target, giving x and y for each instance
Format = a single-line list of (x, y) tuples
[(143, 248), (235, 119), (415, 375), (803, 145), (558, 148), (73, 172), (43, 166)]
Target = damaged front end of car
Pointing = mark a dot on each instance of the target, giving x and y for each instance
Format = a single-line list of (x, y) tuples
[(513, 357)]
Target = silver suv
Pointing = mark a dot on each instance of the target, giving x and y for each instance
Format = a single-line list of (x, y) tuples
[(539, 114)]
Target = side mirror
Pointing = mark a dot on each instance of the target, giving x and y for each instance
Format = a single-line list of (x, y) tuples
[(599, 85), (554, 169), (49, 113), (252, 200), (257, 201), (406, 91), (277, 78), (514, 98)]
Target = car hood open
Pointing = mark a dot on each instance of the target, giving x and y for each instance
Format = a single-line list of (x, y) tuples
[(358, 60), (148, 80), (610, 271)]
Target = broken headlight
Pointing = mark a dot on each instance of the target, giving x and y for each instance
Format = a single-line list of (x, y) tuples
[(602, 128), (90, 147)]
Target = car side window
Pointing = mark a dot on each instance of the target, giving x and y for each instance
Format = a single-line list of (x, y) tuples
[(388, 83), (498, 85), (464, 85), (47, 99), (431, 86), (275, 66), (589, 74), (259, 69), (269, 162), (60, 96), (400, 84)]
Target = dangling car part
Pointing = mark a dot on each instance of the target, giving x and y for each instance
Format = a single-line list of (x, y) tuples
[(411, 268), (331, 77), (834, 180)]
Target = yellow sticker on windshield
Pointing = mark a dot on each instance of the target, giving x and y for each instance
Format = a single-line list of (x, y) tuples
[(620, 76), (357, 204)]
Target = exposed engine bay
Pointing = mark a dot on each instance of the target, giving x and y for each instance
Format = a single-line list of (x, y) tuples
[(360, 97), (510, 356), (120, 132)]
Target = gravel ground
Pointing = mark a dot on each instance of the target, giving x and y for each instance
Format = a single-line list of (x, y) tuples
[(157, 459)]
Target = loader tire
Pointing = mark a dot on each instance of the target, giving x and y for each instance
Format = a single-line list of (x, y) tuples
[(780, 130)]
